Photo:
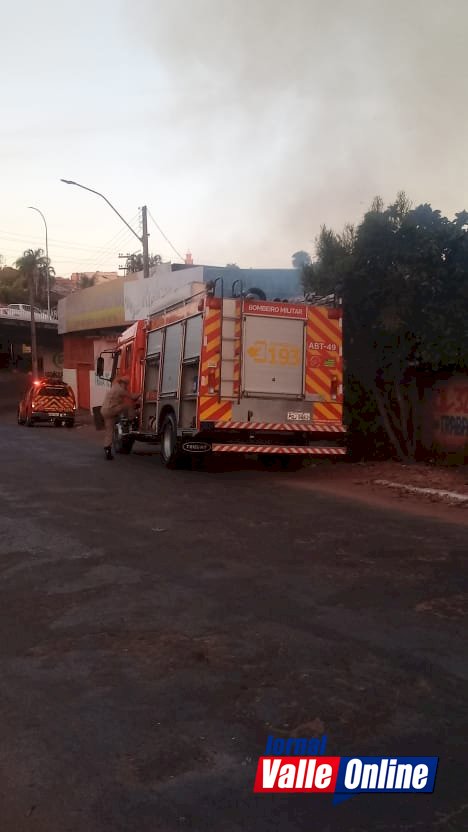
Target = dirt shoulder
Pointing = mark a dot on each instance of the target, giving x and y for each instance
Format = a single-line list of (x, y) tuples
[(363, 482)]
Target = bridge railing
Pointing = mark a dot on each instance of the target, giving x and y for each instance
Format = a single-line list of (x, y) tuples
[(25, 315)]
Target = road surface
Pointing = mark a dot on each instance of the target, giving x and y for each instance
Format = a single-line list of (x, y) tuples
[(156, 626)]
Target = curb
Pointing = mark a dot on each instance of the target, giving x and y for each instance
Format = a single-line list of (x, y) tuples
[(451, 496)]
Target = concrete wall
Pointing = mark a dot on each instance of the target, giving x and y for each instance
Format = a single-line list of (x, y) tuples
[(98, 388), (93, 308), (69, 376), (445, 416), (52, 359)]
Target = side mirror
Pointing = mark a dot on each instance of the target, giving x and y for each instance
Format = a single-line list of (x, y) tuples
[(100, 367), (115, 364)]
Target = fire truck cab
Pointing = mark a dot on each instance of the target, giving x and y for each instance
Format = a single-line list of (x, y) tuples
[(235, 374)]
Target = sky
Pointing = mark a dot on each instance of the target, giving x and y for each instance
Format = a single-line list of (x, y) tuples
[(244, 125)]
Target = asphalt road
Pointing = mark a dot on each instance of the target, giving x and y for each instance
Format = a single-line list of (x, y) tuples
[(156, 626)]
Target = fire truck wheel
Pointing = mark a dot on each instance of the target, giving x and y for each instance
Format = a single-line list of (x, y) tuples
[(169, 450), (20, 419)]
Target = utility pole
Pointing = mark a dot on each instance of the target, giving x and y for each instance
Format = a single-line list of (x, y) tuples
[(144, 240), (144, 237)]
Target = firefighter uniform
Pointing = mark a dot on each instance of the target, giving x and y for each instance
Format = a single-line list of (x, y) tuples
[(115, 401)]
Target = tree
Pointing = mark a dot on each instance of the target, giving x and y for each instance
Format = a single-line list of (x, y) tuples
[(85, 281), (134, 262), (43, 284), (325, 274), (12, 286), (404, 277), (300, 259), (33, 267)]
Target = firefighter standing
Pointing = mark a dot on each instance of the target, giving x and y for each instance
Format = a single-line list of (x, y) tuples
[(115, 401)]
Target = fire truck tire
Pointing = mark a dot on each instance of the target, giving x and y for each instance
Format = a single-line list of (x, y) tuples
[(20, 419), (170, 454), (29, 421)]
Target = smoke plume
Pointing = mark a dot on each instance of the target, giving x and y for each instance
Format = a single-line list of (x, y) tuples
[(288, 115)]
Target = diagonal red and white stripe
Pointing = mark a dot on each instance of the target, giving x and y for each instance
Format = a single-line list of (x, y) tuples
[(278, 449)]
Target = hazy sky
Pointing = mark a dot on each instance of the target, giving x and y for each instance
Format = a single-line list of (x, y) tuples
[(243, 124)]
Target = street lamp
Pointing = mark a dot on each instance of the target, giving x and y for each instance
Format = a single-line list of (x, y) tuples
[(144, 237), (47, 255)]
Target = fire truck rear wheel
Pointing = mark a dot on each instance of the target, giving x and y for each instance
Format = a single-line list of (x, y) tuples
[(169, 448)]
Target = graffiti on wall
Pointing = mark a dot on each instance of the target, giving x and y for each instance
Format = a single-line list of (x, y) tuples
[(451, 413)]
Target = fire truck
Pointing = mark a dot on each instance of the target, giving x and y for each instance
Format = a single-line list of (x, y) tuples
[(236, 374)]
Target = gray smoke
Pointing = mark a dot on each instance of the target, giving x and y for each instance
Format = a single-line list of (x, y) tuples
[(297, 113)]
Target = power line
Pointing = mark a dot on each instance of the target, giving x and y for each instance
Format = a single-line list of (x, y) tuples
[(13, 237), (59, 243), (163, 235), (109, 248)]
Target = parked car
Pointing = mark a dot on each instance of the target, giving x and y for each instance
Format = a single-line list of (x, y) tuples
[(47, 400)]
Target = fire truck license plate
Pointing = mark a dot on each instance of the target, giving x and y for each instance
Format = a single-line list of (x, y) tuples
[(297, 416)]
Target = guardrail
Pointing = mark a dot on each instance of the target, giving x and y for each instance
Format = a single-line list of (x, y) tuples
[(24, 315)]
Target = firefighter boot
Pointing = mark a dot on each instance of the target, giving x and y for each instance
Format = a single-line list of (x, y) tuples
[(108, 452)]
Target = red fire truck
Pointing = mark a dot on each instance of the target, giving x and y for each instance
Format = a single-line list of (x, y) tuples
[(234, 375)]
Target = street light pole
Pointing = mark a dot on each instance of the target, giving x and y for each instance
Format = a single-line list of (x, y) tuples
[(143, 239), (47, 255)]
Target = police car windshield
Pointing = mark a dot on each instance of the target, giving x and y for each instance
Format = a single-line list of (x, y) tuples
[(53, 391)]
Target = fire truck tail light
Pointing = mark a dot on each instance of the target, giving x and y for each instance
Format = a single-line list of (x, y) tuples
[(334, 388)]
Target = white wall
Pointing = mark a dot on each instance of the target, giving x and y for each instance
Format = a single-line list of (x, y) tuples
[(142, 297), (69, 377), (98, 388)]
